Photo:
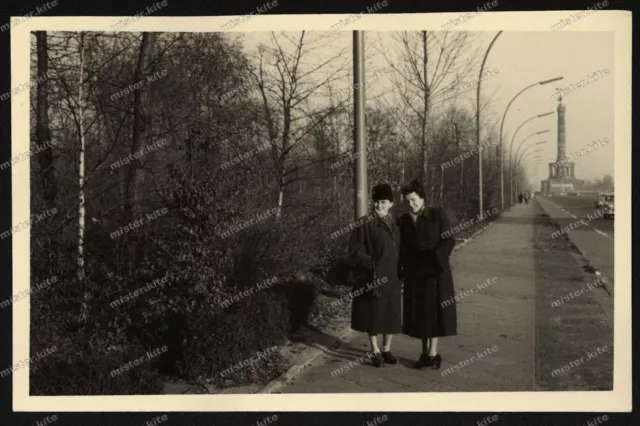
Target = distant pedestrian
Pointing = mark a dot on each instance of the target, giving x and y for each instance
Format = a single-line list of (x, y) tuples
[(520, 197), (376, 307), (424, 264)]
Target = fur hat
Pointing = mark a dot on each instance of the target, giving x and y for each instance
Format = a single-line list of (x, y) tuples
[(382, 191)]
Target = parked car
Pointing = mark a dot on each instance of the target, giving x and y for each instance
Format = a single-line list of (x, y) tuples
[(600, 200), (608, 207)]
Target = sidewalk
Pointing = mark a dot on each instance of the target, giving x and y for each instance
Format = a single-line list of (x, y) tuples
[(495, 346)]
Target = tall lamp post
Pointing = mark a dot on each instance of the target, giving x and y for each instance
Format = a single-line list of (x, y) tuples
[(360, 141), (513, 138), (539, 83), (480, 194)]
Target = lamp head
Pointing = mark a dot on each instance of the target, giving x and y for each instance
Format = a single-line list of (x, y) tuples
[(551, 80)]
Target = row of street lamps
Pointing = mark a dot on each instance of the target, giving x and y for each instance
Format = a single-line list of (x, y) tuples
[(360, 175), (511, 157)]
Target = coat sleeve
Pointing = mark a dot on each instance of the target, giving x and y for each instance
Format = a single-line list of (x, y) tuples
[(358, 249), (445, 246)]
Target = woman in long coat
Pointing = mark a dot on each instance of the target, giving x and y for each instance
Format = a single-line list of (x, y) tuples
[(377, 297), (426, 244)]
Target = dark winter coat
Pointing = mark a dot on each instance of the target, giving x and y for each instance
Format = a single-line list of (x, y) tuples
[(376, 291), (429, 307)]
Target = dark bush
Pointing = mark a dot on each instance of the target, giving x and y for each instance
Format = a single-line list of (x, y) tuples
[(82, 365), (338, 263), (215, 341), (301, 292)]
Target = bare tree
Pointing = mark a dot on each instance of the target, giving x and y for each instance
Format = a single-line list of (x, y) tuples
[(427, 66), (285, 81), (140, 126), (81, 175), (43, 133)]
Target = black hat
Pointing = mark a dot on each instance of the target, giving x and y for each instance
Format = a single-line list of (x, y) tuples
[(382, 192)]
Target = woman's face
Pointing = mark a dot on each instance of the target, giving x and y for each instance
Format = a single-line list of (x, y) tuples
[(415, 202), (382, 207)]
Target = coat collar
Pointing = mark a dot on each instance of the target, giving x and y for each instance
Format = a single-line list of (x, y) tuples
[(382, 222), (427, 213)]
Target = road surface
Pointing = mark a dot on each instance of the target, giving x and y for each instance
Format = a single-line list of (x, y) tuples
[(593, 235)]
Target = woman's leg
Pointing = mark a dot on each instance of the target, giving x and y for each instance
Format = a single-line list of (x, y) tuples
[(425, 345), (386, 349), (386, 342), (373, 339), (433, 346), (424, 356), (378, 358)]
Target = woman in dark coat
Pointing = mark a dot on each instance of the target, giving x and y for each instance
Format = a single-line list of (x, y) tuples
[(377, 298), (426, 244)]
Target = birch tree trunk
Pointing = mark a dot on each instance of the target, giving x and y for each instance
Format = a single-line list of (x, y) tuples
[(81, 181)]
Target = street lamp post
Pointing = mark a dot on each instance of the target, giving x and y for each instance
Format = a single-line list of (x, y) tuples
[(541, 83), (480, 194), (511, 150), (360, 141)]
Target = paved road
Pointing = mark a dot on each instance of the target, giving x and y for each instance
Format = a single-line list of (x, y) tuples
[(594, 237), (583, 206)]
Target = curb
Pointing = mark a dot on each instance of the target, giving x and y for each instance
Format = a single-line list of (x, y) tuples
[(304, 360)]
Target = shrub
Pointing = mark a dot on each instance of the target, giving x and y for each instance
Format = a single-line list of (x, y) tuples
[(83, 363), (215, 341), (301, 292)]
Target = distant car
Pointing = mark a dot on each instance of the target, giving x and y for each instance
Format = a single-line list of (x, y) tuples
[(600, 200), (608, 207)]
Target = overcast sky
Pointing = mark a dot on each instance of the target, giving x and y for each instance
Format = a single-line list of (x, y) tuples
[(522, 58)]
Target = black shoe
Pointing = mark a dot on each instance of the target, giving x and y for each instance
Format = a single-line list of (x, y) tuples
[(389, 358), (422, 362), (434, 362), (377, 360)]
